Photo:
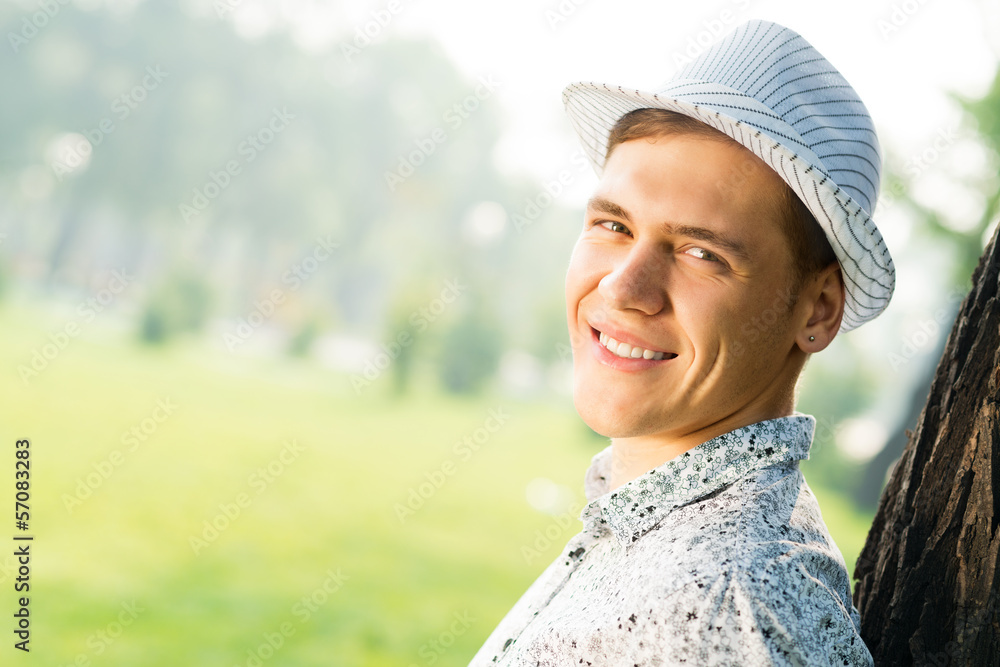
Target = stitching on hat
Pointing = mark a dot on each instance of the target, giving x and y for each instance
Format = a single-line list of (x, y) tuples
[(801, 92), (850, 228), (845, 139), (814, 103), (830, 127), (849, 155), (852, 187), (710, 56), (833, 231), (771, 61), (738, 76), (827, 115), (733, 46), (776, 75), (749, 110), (786, 178), (799, 78), (860, 192), (801, 191)]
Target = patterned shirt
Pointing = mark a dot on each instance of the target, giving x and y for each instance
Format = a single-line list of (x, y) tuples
[(717, 557)]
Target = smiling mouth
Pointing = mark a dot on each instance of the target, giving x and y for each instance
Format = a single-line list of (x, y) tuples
[(626, 351)]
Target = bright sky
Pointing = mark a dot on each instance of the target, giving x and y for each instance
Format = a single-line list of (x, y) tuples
[(901, 72), (902, 56)]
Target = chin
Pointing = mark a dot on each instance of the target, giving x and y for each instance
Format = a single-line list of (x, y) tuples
[(607, 418)]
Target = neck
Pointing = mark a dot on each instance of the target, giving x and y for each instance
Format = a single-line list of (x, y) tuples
[(635, 456)]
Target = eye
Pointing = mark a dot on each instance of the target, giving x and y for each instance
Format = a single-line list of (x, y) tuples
[(701, 253), (614, 226)]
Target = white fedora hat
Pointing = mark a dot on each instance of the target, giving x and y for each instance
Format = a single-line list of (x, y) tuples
[(770, 90)]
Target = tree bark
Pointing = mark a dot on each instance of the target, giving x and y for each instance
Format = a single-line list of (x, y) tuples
[(927, 589)]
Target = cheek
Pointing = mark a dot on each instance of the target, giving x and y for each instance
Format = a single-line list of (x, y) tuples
[(574, 289), (714, 318), (759, 326), (582, 273), (706, 304)]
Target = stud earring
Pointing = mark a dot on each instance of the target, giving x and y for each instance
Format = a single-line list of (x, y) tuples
[(812, 338)]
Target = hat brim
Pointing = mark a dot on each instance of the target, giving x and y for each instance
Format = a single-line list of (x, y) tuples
[(867, 267)]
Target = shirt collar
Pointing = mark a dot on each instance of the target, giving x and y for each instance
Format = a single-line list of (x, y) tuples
[(637, 506)]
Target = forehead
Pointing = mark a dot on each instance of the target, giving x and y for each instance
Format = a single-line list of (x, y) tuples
[(709, 180)]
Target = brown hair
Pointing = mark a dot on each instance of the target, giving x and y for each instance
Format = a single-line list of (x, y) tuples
[(811, 251)]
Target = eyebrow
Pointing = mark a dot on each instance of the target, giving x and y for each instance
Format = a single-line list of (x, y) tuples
[(603, 205)]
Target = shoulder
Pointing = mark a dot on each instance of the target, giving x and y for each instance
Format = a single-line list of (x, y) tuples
[(766, 522), (761, 580), (773, 618)]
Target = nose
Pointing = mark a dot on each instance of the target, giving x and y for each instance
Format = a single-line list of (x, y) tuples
[(638, 281)]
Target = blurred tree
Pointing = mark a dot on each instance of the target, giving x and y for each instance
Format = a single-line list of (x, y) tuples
[(470, 348), (303, 338), (405, 331), (181, 304), (965, 247), (5, 272), (550, 333), (231, 153)]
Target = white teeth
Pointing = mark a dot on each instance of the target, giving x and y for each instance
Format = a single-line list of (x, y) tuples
[(627, 351)]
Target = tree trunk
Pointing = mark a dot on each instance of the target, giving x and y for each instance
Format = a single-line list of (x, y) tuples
[(927, 589)]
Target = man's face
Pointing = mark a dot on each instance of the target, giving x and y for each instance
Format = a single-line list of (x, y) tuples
[(681, 253)]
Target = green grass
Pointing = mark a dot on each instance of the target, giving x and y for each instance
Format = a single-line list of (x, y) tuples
[(331, 508)]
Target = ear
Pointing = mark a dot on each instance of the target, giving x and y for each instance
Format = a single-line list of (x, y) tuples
[(822, 300)]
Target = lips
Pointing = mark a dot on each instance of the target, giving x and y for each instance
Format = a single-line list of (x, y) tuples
[(626, 351), (616, 343)]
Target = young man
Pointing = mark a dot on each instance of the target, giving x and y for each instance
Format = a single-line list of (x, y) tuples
[(729, 238)]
